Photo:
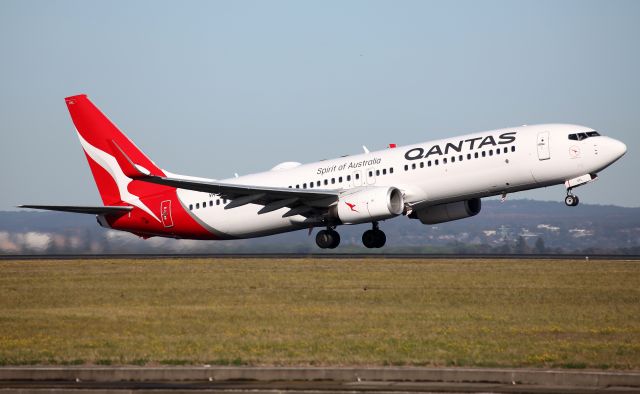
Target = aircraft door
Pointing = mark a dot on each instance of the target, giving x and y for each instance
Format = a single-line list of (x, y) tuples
[(165, 213), (543, 146)]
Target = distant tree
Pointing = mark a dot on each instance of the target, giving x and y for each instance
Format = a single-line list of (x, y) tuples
[(521, 246), (539, 246), (505, 248)]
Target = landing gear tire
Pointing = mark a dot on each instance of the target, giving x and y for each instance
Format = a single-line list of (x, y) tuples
[(571, 200), (336, 239), (374, 238), (328, 239)]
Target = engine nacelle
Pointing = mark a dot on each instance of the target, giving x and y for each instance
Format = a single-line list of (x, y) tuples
[(448, 212), (369, 204)]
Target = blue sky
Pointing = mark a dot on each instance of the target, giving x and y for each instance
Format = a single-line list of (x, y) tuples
[(212, 88)]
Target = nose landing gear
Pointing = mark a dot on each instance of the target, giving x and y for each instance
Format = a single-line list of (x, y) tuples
[(570, 184), (328, 239), (374, 238)]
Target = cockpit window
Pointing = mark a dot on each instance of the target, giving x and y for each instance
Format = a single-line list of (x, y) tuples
[(582, 136)]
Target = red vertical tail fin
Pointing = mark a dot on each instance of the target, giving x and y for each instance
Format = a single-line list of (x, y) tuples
[(105, 145)]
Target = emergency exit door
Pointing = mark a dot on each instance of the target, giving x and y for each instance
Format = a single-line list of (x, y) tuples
[(543, 146)]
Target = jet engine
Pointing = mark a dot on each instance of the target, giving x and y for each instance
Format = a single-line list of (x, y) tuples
[(447, 212), (368, 204)]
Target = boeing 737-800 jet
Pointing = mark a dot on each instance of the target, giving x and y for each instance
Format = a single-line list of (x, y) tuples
[(434, 182)]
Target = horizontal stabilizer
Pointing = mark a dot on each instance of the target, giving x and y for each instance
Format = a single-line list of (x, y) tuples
[(82, 209)]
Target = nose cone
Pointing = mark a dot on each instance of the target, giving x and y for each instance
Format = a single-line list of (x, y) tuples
[(618, 148)]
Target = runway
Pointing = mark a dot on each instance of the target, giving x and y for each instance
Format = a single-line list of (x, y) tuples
[(406, 256), (207, 379)]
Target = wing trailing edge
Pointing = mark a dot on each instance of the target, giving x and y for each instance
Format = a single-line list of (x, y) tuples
[(92, 210)]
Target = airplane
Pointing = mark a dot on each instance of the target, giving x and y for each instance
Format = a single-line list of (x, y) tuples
[(433, 182)]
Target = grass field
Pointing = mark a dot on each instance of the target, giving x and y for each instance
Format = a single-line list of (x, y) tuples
[(568, 314)]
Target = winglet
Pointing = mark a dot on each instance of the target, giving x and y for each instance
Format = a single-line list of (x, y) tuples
[(129, 168)]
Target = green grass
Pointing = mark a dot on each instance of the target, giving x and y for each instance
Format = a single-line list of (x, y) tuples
[(566, 314)]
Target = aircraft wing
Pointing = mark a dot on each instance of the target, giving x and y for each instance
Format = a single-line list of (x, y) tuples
[(304, 202), (300, 201), (97, 210)]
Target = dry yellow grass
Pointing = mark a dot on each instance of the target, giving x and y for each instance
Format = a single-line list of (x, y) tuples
[(572, 314)]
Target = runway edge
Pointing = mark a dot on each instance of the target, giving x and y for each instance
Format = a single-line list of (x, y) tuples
[(537, 377)]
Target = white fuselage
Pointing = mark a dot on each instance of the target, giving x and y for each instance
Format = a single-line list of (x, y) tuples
[(431, 173)]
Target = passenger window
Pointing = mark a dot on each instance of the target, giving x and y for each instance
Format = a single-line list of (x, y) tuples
[(391, 170), (377, 172), (429, 163), (357, 175), (297, 186), (453, 159), (413, 166), (460, 158), (469, 155), (384, 171), (406, 167), (513, 148), (497, 151), (311, 185), (437, 162), (490, 152), (348, 178), (224, 201), (304, 185), (505, 150), (318, 183), (210, 203), (370, 174), (444, 161), (198, 205), (422, 164), (475, 155), (339, 179), (333, 181), (484, 154), (204, 204), (326, 182), (191, 207), (217, 202)]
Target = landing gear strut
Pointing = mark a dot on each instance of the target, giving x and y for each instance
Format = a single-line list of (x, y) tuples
[(328, 239), (374, 238), (570, 199)]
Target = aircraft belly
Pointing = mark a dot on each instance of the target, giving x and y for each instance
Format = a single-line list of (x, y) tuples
[(489, 181), (245, 222)]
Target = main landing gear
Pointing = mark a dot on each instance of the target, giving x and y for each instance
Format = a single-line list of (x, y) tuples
[(571, 200), (328, 239), (374, 238)]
